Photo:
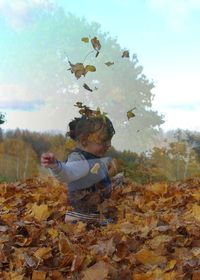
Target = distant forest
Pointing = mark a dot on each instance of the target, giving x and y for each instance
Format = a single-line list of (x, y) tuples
[(176, 157)]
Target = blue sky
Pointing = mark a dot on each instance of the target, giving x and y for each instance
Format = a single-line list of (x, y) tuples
[(163, 33)]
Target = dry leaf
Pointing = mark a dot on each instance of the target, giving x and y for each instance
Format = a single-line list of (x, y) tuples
[(125, 54), (96, 45), (109, 63), (85, 39), (146, 256), (95, 168), (87, 87), (130, 114), (39, 275), (99, 271), (40, 212)]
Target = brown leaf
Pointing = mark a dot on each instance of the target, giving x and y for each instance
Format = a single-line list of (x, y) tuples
[(39, 275), (99, 271), (87, 87), (77, 69), (96, 45), (43, 253), (125, 54), (146, 256)]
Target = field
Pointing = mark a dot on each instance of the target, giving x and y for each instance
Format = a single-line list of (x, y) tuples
[(155, 234)]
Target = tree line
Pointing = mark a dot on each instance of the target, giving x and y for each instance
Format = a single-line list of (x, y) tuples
[(176, 158)]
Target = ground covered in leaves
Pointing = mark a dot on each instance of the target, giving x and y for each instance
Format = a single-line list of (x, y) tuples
[(155, 236)]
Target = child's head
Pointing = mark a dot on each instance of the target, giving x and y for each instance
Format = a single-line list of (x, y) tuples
[(93, 133)]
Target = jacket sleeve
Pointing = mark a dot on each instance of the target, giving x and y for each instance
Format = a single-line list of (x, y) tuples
[(75, 168)]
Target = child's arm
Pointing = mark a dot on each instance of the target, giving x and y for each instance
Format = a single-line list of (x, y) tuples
[(75, 168)]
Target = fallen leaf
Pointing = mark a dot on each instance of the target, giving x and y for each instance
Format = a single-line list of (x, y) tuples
[(40, 212), (99, 271)]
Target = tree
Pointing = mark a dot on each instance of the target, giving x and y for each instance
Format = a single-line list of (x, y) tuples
[(17, 160), (40, 57), (2, 118)]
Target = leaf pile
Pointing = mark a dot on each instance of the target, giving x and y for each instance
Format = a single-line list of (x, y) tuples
[(156, 234)]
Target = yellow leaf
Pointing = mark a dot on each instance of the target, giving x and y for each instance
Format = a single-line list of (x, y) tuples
[(85, 39), (130, 114), (90, 68), (38, 275), (196, 211), (40, 212), (53, 232), (43, 253), (95, 168), (170, 265), (146, 256), (14, 276), (158, 188)]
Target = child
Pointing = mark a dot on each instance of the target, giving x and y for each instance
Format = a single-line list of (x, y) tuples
[(86, 172)]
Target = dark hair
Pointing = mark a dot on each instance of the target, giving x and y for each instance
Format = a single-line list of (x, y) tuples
[(86, 125)]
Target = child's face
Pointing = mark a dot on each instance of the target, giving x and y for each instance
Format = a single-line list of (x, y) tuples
[(98, 144)]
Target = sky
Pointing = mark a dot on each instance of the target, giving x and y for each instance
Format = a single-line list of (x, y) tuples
[(163, 33)]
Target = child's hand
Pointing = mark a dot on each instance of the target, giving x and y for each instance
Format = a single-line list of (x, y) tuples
[(48, 160), (113, 167)]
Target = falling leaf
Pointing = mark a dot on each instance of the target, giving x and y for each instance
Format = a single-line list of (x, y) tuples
[(95, 168), (90, 68), (125, 54), (130, 114), (96, 45), (77, 69), (87, 87), (85, 39), (109, 63), (79, 104)]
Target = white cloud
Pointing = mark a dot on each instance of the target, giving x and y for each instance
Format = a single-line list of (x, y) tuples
[(177, 97), (175, 12), (18, 12), (16, 97)]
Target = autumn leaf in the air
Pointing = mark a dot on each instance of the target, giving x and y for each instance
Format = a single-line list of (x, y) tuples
[(96, 45), (85, 39), (109, 63), (87, 87), (125, 54), (90, 68), (79, 70), (79, 104), (130, 114)]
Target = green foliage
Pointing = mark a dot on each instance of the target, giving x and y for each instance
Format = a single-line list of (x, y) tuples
[(2, 118)]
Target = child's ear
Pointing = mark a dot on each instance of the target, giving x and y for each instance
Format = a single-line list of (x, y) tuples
[(83, 140)]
